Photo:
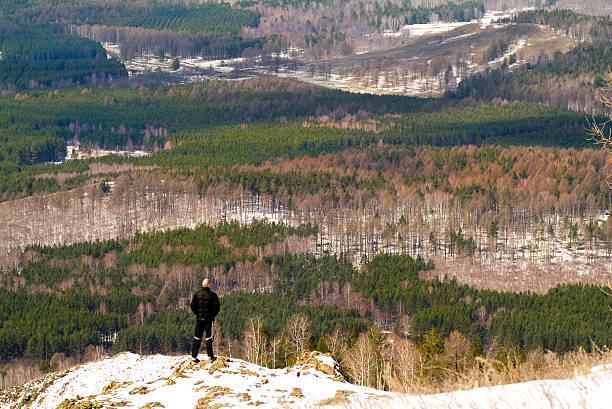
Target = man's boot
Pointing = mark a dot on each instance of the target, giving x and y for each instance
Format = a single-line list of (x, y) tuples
[(195, 347), (209, 349)]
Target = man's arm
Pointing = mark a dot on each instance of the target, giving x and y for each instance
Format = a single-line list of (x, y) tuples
[(194, 304), (217, 305)]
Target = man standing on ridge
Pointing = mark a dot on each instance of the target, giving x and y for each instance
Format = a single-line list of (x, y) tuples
[(205, 305)]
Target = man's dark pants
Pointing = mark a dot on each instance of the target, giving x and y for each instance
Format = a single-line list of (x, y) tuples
[(203, 326)]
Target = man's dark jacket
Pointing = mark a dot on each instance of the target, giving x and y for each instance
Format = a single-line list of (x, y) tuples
[(205, 304)]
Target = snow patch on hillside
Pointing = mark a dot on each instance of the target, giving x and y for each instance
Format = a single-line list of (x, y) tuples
[(426, 29), (132, 380), (512, 49)]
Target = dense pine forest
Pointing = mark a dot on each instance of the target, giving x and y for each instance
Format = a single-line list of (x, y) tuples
[(213, 18), (183, 117), (36, 60)]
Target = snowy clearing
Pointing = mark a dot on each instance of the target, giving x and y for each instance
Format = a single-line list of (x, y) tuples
[(418, 30)]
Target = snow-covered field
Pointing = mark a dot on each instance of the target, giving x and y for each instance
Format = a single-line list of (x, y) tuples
[(130, 380), (203, 68), (198, 69), (418, 30), (75, 152)]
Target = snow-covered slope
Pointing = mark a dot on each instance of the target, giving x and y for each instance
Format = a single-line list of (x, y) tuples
[(130, 380)]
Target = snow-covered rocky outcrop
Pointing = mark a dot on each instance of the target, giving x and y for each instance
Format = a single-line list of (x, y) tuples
[(134, 381)]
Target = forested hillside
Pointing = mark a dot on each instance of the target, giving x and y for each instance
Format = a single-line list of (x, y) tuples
[(310, 152), (488, 216), (177, 29), (208, 29), (584, 61), (364, 44), (131, 294), (565, 79), (187, 118), (209, 17), (38, 59)]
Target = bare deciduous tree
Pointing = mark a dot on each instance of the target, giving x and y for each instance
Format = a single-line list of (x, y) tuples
[(336, 343), (298, 333), (600, 132), (365, 361), (402, 372), (255, 340)]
